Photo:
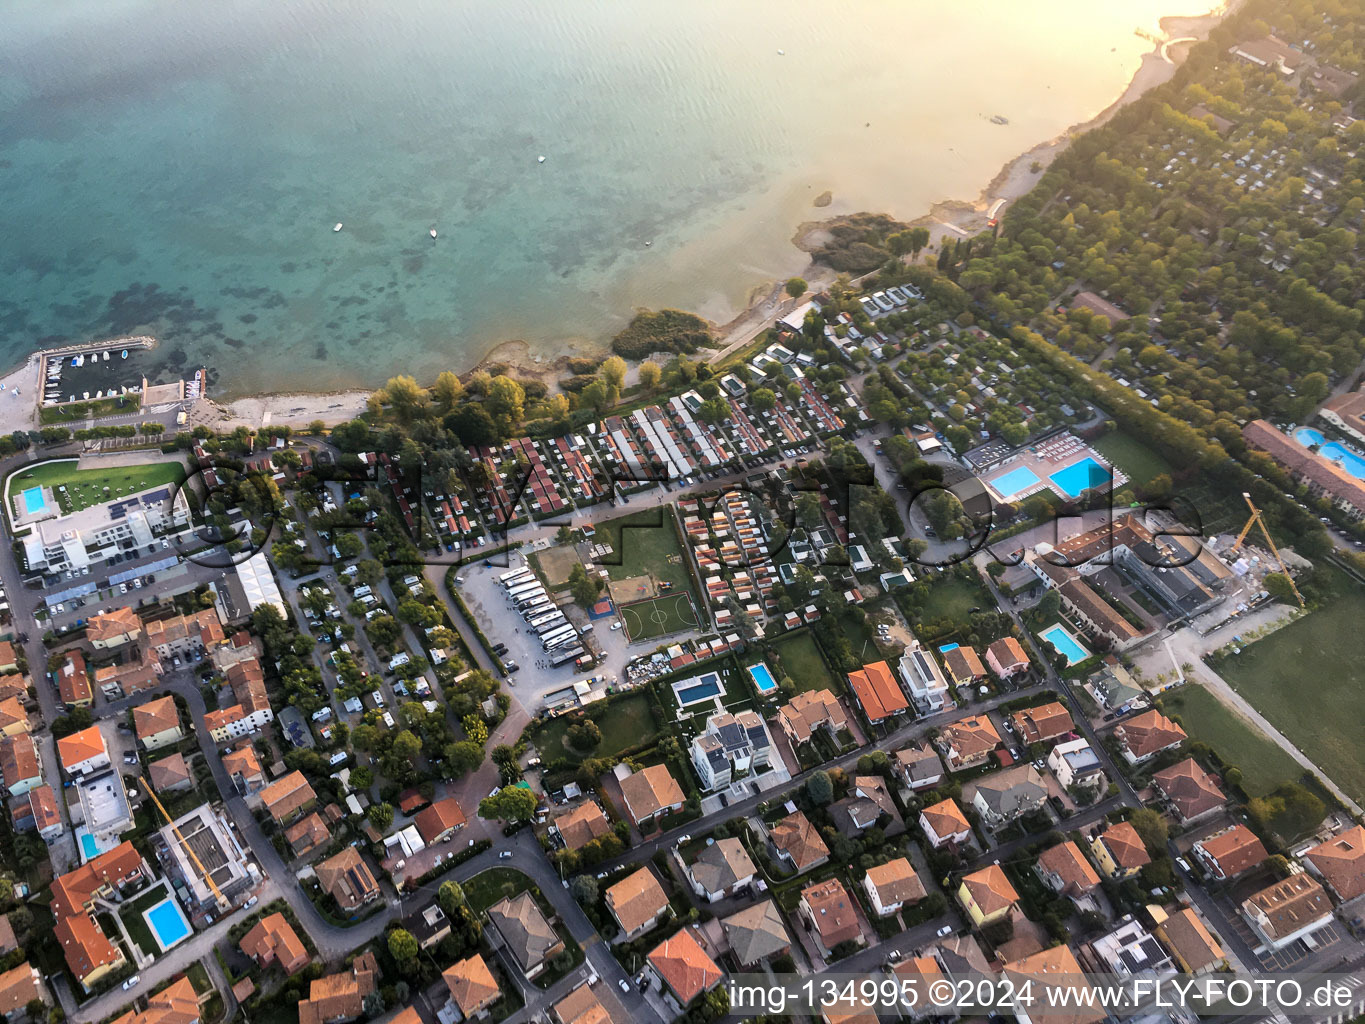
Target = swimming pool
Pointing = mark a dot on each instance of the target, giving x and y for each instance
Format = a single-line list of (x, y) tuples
[(90, 846), (1021, 478), (1079, 477), (947, 647), (1060, 637), (763, 679), (689, 692), (1343, 456), (167, 922), (34, 502)]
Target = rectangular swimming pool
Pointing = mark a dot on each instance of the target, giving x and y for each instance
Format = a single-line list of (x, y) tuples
[(1079, 477), (1060, 637), (167, 922), (705, 688), (1021, 478), (34, 502), (763, 679)]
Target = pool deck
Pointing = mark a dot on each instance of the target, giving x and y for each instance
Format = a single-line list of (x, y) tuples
[(1045, 460)]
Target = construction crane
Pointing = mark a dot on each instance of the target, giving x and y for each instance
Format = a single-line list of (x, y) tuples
[(222, 900), (1256, 520)]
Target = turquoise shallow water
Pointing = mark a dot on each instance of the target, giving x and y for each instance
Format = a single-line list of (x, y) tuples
[(176, 169)]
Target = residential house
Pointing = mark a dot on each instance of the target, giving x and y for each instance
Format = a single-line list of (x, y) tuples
[(1339, 862), (756, 933), (272, 940), (968, 742), (924, 680), (722, 869), (182, 635), (243, 767), (964, 667), (286, 798), (1346, 412), (530, 939), (1191, 944), (20, 768), (42, 815), (877, 693), (581, 825), (20, 986), (1144, 736), (125, 679), (651, 791), (1230, 852), (349, 880), (581, 1006), (868, 803), (335, 998), (1191, 791), (1055, 969), (1006, 657), (1065, 870), (9, 661), (157, 723), (1129, 949), (170, 774), (439, 821), (89, 953), (178, 1003), (944, 824), (638, 902), (428, 926), (13, 717), (1119, 851), (729, 747), (918, 766), (683, 968), (811, 711), (307, 834), (797, 842), (1005, 796), (1075, 765), (1288, 910), (831, 914), (84, 752), (987, 895), (473, 989), (113, 629), (73, 681), (1043, 723), (252, 712), (892, 885)]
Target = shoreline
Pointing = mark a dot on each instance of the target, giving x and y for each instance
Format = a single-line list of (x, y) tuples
[(961, 218)]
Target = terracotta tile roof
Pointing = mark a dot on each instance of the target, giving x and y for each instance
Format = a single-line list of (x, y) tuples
[(130, 676), (1185, 935), (1008, 651), (42, 803), (946, 818), (1289, 905), (347, 877), (340, 995), (155, 716), (963, 664), (104, 628), (529, 937), (1043, 723), (18, 759), (971, 737), (243, 762), (12, 713), (439, 818), (650, 790), (471, 984), (832, 911), (85, 947), (81, 746), (18, 987), (308, 833), (810, 710), (636, 899), (1125, 846), (1145, 734), (1056, 968), (896, 882), (756, 932), (1317, 470), (1236, 850), (990, 889), (288, 795), (168, 771), (582, 825), (722, 864), (1066, 861), (273, 939), (73, 890), (581, 1006), (877, 691), (1341, 861), (178, 1003), (684, 966), (7, 656), (797, 837), (1189, 788)]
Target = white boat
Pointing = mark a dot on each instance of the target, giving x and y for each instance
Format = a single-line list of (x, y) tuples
[(540, 159), (781, 53), (433, 232), (124, 355), (106, 357), (338, 227)]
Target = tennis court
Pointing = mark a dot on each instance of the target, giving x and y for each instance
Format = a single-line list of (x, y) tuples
[(658, 616)]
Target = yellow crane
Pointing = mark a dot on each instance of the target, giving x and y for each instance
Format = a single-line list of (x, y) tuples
[(222, 900), (1256, 520)]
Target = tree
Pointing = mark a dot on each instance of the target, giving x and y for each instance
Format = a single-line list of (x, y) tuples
[(585, 890), (650, 375), (820, 788), (451, 897), (583, 736), (584, 588), (796, 287), (381, 816), (613, 372), (403, 945), (362, 777), (1277, 585), (510, 804), (407, 745), (447, 391), (404, 396), (1151, 829), (564, 535), (506, 400), (763, 399)]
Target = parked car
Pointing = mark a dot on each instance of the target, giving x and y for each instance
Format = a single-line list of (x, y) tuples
[(131, 982)]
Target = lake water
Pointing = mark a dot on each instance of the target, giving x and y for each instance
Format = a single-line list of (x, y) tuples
[(177, 168)]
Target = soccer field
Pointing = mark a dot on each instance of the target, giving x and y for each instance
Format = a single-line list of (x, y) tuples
[(659, 616)]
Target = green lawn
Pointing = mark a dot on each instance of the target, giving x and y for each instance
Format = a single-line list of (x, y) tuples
[(1264, 765), (798, 656), (954, 598), (626, 722), (1138, 462), (86, 487), (645, 543), (487, 887), (138, 929), (1307, 679), (662, 616)]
